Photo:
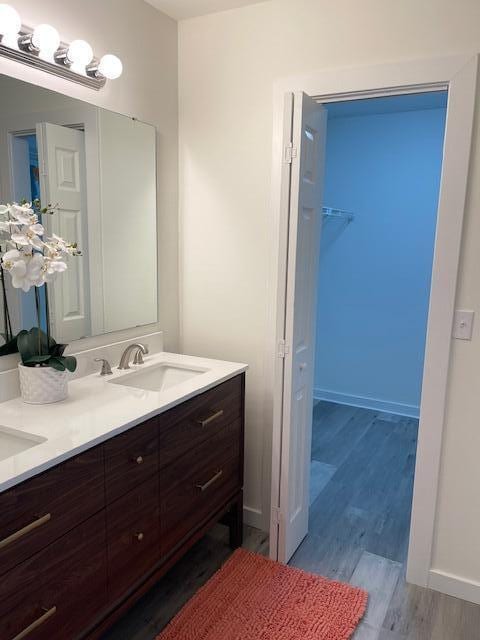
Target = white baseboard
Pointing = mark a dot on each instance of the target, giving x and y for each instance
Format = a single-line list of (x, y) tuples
[(364, 402), (253, 517), (454, 586)]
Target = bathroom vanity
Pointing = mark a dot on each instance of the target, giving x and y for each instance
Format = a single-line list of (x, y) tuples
[(101, 493), (83, 539)]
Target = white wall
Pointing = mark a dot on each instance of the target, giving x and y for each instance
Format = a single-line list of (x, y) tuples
[(146, 41), (227, 65)]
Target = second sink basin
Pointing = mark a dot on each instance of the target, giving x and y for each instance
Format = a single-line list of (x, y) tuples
[(13, 442), (158, 377)]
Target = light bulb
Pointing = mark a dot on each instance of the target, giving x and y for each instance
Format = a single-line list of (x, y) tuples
[(46, 39), (110, 66), (10, 25), (79, 53)]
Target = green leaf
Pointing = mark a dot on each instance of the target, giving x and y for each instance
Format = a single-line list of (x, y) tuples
[(58, 349), (51, 353), (70, 363), (33, 343), (57, 363)]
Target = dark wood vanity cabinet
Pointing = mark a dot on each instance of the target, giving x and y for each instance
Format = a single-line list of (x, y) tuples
[(81, 542)]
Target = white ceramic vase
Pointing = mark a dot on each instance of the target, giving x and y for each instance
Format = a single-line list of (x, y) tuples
[(42, 385)]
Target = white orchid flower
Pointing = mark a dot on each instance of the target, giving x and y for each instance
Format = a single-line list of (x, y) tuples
[(23, 213), (10, 257), (51, 268), (35, 268), (7, 225), (32, 261), (18, 271), (25, 270), (29, 235)]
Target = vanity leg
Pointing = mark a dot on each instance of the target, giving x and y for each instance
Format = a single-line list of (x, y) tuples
[(236, 523)]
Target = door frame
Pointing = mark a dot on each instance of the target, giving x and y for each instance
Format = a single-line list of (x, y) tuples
[(458, 75)]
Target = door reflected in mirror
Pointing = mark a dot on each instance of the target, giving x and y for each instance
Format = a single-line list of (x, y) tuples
[(98, 168)]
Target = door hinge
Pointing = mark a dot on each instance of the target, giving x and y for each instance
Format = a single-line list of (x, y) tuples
[(283, 348), (276, 515), (290, 153)]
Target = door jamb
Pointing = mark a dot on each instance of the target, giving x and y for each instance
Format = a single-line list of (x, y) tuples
[(457, 74)]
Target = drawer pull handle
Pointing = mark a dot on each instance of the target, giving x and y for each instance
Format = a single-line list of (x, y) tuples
[(214, 416), (139, 536), (39, 621), (22, 532), (204, 487), (139, 460)]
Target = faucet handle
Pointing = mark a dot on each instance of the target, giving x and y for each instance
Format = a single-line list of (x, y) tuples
[(106, 368)]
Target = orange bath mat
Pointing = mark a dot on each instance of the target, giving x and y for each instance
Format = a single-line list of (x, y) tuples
[(253, 598)]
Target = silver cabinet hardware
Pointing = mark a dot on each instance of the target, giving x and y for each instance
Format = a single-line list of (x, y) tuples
[(39, 621), (214, 416), (204, 487), (22, 532)]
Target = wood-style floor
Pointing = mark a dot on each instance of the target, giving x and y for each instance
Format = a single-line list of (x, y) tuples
[(361, 485)]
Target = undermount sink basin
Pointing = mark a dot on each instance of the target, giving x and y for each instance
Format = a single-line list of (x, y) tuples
[(13, 442), (159, 377)]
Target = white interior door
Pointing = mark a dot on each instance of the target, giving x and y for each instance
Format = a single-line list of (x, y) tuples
[(305, 223), (61, 155)]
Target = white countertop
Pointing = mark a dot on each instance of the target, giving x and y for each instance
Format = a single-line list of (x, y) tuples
[(95, 411)]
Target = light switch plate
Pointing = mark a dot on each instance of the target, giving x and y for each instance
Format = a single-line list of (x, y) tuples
[(463, 324)]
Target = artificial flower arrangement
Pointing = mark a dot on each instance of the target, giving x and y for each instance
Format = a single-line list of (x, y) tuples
[(32, 260)]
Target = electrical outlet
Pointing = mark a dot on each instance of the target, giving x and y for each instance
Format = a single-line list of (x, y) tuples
[(463, 324)]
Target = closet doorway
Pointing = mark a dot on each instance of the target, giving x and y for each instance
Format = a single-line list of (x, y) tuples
[(386, 317), (383, 161)]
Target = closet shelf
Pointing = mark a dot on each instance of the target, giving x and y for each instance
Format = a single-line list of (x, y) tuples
[(338, 214)]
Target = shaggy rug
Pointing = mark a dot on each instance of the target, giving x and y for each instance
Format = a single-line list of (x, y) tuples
[(253, 598)]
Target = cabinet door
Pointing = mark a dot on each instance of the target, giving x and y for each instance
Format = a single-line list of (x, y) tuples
[(133, 538), (58, 593), (130, 459), (196, 420), (198, 484)]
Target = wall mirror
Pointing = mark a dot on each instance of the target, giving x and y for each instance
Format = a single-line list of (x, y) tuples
[(99, 169)]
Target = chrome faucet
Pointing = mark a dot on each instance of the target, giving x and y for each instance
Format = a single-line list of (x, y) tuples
[(140, 351)]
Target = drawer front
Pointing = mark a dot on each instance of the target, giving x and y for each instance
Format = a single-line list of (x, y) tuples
[(132, 537), (198, 484), (56, 594), (131, 458), (38, 511), (196, 420)]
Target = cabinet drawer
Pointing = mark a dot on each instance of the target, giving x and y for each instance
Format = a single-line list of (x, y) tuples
[(191, 423), (133, 537), (198, 484), (38, 511), (57, 593), (131, 458)]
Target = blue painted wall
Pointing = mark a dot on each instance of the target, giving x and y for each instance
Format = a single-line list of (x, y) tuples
[(374, 274)]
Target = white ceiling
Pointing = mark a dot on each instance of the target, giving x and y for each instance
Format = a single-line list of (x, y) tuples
[(181, 9)]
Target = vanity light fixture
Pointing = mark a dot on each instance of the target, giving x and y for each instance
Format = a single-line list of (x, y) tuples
[(10, 25), (42, 48), (109, 67), (77, 55), (44, 40)]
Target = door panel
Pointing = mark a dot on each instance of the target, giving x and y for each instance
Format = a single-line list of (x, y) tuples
[(62, 171), (305, 221)]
